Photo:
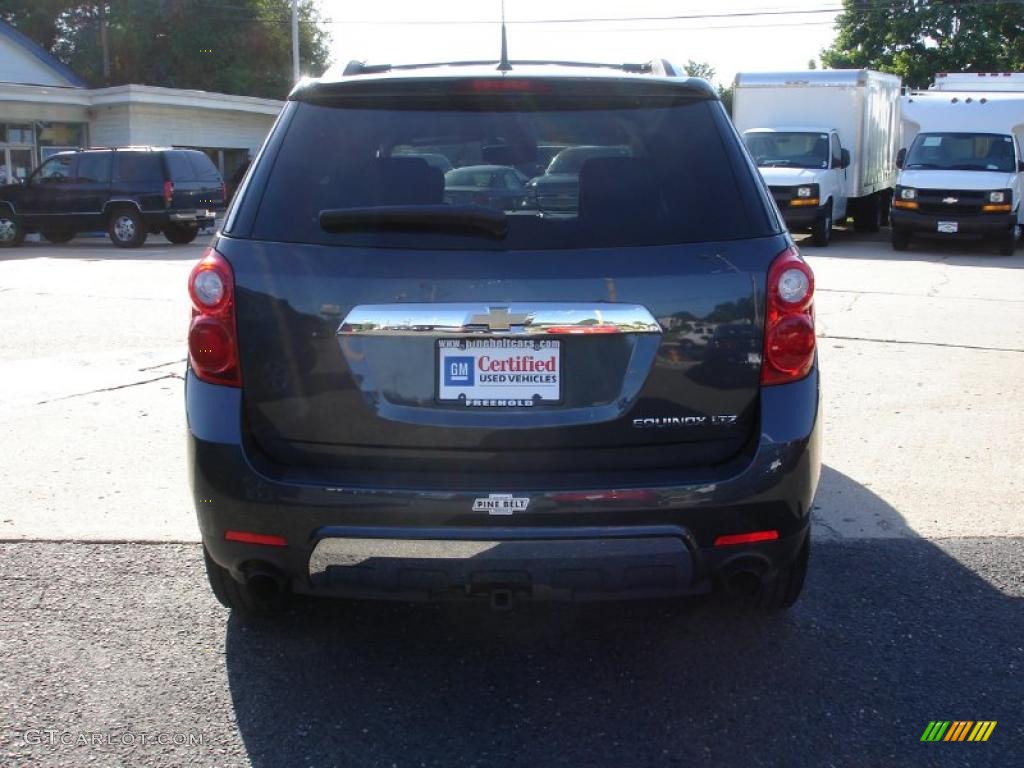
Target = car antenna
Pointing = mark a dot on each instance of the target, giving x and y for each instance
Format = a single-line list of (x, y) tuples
[(504, 65)]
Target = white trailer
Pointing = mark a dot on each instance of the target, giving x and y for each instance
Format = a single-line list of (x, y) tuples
[(827, 136)]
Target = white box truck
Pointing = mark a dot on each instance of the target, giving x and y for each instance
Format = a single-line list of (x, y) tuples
[(825, 142), (979, 82), (962, 162)]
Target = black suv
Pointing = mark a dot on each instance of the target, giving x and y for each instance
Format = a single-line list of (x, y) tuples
[(391, 395), (129, 192)]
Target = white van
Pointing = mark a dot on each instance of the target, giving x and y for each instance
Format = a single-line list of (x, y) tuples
[(825, 142), (961, 167)]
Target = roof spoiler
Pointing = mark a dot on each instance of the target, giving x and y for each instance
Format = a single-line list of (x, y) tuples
[(656, 67)]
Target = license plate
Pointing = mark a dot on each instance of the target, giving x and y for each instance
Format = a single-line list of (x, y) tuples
[(948, 227), (499, 373)]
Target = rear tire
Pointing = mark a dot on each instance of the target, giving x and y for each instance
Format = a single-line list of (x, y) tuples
[(180, 235), (779, 592), (126, 228), (900, 239), (58, 236), (821, 232), (11, 231), (1008, 243), (242, 598)]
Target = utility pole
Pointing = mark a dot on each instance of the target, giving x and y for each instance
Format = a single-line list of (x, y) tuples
[(104, 45), (295, 41)]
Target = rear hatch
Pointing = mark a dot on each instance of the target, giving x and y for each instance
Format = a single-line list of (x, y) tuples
[(384, 330), (197, 182)]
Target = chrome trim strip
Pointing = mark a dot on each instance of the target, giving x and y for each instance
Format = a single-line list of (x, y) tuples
[(510, 319)]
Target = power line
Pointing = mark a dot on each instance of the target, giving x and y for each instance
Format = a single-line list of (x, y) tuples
[(865, 6)]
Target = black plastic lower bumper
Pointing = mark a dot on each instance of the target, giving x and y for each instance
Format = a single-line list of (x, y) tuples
[(404, 542), (986, 224)]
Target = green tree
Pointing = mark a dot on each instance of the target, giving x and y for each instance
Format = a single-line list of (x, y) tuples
[(230, 46), (38, 20), (699, 69), (917, 38), (725, 94)]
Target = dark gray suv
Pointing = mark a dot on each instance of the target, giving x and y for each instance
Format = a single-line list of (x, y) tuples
[(397, 394)]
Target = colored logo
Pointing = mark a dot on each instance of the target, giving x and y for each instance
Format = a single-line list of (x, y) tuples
[(458, 372), (958, 730)]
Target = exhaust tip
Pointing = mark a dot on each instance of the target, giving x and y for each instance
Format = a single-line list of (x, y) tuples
[(266, 586), (745, 584)]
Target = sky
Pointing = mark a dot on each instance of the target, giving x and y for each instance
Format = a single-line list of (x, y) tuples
[(404, 31)]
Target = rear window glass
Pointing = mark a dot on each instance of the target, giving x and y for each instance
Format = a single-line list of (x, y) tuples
[(202, 167), (570, 177), (139, 166), (179, 166)]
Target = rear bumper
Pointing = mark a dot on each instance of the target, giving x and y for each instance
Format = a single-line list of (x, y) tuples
[(200, 216), (409, 544), (542, 564), (987, 224)]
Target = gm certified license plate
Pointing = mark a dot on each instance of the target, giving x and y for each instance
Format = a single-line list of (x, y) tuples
[(948, 227), (499, 372)]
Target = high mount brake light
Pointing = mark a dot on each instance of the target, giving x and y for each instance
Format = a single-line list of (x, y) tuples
[(212, 336), (508, 85), (789, 341)]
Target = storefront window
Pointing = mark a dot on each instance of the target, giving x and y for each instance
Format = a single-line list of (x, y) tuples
[(19, 134), (61, 134)]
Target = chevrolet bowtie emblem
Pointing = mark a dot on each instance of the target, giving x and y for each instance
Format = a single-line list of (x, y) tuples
[(950, 200), (499, 319)]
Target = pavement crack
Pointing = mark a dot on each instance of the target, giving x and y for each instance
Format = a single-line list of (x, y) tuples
[(921, 343), (943, 280), (112, 389), (162, 365)]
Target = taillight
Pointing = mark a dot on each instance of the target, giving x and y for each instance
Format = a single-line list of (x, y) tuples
[(212, 336), (789, 320), (223, 192), (168, 192)]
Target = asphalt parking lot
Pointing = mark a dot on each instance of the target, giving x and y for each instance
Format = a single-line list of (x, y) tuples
[(912, 613)]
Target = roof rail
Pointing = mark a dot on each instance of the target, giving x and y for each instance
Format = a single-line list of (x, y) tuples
[(658, 67)]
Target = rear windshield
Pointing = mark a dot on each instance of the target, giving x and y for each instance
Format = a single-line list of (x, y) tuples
[(179, 166), (962, 152), (203, 168), (568, 177)]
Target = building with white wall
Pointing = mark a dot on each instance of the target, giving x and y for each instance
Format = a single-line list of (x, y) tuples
[(46, 108)]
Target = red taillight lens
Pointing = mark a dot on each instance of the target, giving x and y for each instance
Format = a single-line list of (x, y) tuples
[(212, 336), (746, 538), (248, 537), (211, 345), (789, 320), (168, 192)]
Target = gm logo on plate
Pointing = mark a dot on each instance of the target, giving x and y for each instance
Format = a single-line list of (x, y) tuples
[(458, 372)]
